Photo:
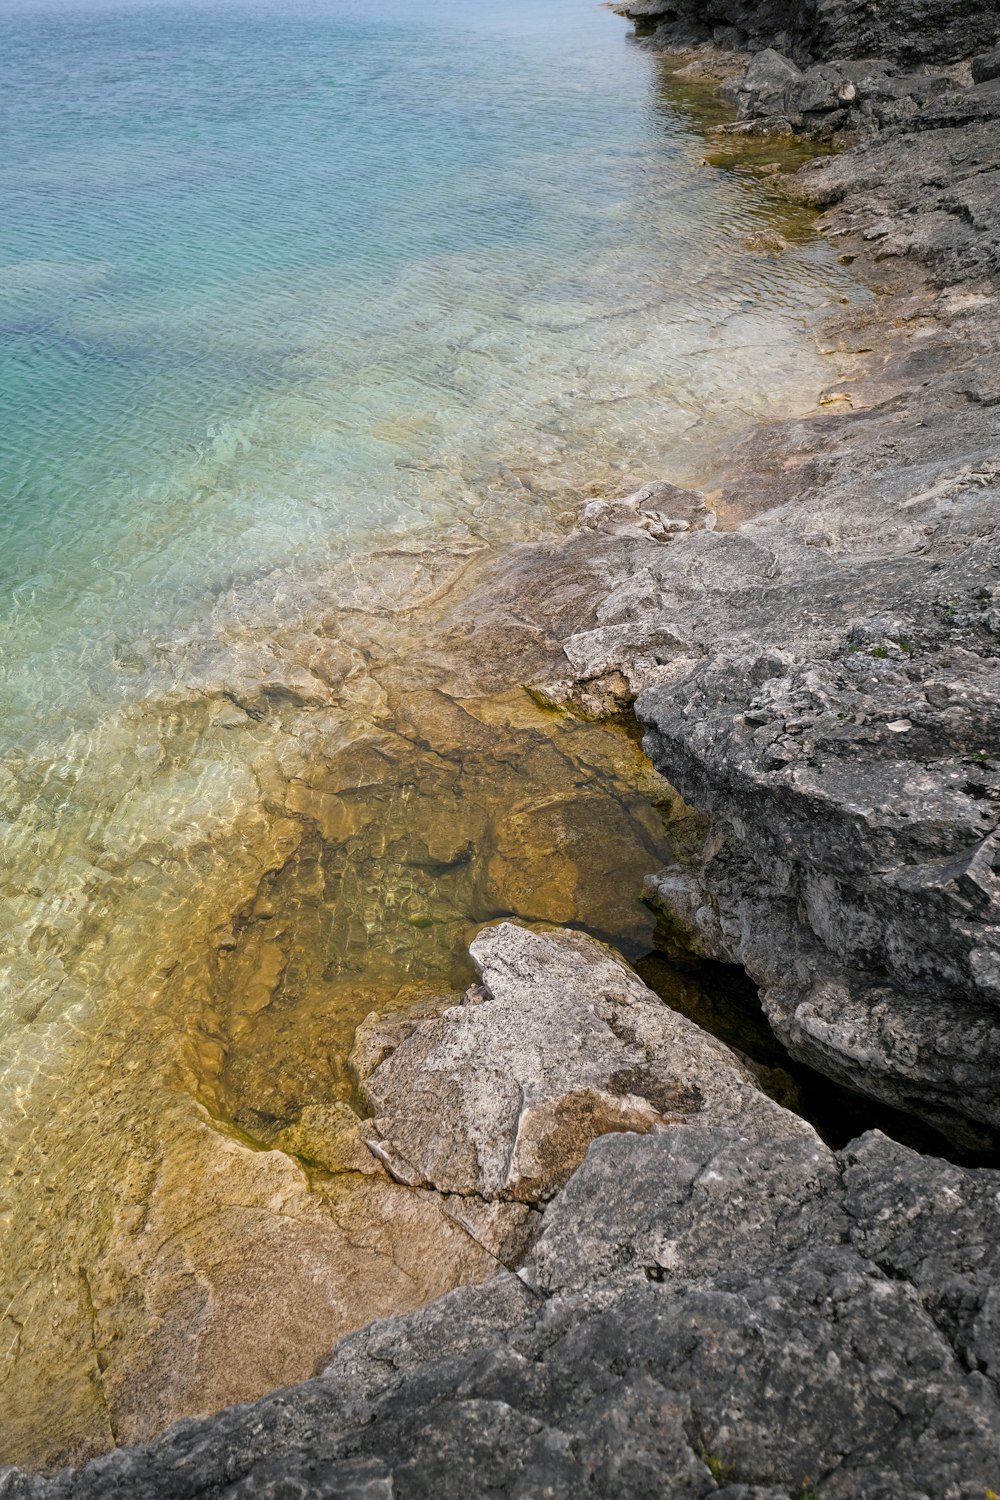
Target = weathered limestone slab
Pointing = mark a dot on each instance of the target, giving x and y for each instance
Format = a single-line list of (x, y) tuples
[(783, 1323), (561, 1042)]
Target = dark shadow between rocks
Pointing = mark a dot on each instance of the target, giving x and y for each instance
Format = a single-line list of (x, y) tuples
[(723, 1000)]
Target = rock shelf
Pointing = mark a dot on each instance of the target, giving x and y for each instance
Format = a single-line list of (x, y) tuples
[(679, 1288), (714, 1302)]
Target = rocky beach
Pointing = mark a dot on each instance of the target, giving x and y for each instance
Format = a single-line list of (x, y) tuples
[(666, 1269)]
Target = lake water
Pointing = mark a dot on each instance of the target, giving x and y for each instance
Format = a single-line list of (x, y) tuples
[(274, 277), (284, 286)]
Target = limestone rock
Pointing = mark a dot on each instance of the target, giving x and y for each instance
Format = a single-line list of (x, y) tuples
[(506, 1230), (821, 684), (255, 1246), (562, 1042), (921, 32), (782, 1322), (873, 865), (463, 1322), (768, 81), (671, 1208), (656, 510), (986, 66)]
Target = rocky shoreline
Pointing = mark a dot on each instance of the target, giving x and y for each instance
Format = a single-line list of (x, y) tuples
[(710, 1300)]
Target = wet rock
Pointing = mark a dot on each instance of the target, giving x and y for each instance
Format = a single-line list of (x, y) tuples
[(218, 1237), (766, 242), (329, 1136), (560, 855)]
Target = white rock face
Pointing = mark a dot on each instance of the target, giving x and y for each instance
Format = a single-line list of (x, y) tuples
[(562, 1042)]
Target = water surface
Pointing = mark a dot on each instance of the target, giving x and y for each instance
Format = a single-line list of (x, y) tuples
[(274, 277), (305, 308)]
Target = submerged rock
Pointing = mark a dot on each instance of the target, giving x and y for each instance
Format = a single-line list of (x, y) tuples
[(217, 1238), (656, 510)]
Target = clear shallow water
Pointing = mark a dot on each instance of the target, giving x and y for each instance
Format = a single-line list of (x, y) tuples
[(276, 277), (282, 285)]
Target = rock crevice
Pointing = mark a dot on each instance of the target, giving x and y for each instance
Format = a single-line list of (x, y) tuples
[(716, 1305)]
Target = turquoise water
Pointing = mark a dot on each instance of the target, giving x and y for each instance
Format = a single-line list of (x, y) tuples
[(277, 278), (280, 283)]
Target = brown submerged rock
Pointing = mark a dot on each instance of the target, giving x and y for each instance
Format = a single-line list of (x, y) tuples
[(221, 1238), (265, 875)]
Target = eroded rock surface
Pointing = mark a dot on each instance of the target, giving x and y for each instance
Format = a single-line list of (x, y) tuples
[(293, 833), (922, 32), (713, 1302), (560, 1042), (822, 680), (703, 1314)]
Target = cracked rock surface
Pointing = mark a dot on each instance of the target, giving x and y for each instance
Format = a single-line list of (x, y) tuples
[(703, 1314), (713, 1302), (920, 32), (499, 1097), (822, 680)]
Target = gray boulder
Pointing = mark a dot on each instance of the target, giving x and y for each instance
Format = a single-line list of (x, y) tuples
[(561, 1042), (769, 86), (986, 66), (864, 97)]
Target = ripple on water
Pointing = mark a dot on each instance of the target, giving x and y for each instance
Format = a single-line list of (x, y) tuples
[(305, 314)]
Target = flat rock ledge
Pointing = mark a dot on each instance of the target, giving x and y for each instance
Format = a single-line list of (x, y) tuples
[(711, 1301)]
